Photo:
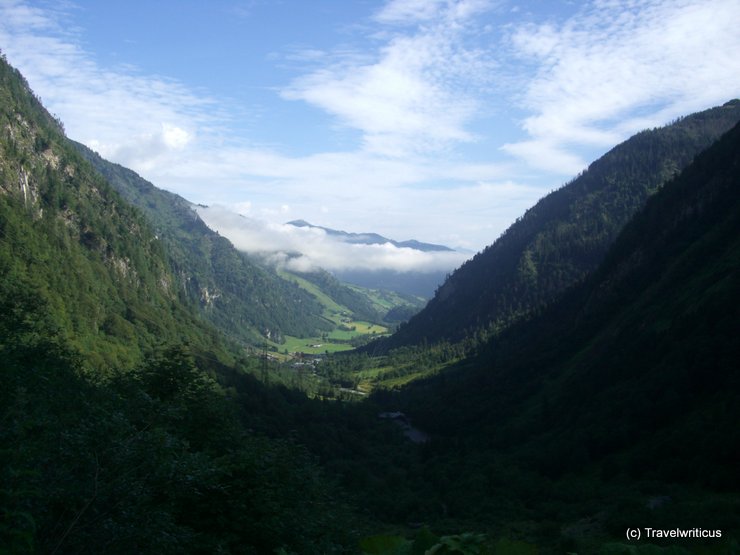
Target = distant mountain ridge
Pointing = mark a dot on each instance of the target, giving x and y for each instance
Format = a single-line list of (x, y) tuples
[(373, 238), (557, 242), (415, 283)]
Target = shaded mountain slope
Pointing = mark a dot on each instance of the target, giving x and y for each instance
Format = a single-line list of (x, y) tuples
[(632, 374), (241, 298), (565, 235)]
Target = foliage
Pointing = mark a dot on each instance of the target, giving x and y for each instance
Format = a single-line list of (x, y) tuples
[(399, 314), (357, 303), (115, 436), (79, 246), (427, 543)]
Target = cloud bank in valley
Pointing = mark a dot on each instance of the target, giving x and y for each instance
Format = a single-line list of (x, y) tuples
[(305, 249)]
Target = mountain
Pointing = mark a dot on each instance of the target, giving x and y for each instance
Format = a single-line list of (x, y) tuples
[(373, 238), (244, 299), (415, 283), (627, 387), (556, 243), (357, 303), (241, 295), (68, 238)]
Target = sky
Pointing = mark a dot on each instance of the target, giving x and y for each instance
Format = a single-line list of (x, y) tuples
[(435, 120)]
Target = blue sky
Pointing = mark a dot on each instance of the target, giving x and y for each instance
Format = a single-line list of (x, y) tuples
[(439, 120)]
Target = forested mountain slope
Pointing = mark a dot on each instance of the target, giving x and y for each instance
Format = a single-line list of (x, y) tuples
[(68, 238), (565, 235), (631, 376), (242, 298)]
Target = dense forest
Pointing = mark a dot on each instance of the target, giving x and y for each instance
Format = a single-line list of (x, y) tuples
[(133, 419)]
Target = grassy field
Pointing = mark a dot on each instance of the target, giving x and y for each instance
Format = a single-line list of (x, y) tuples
[(345, 327), (389, 377), (349, 329), (311, 345)]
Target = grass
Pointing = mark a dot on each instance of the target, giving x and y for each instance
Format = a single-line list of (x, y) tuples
[(387, 377), (311, 345), (349, 329), (346, 328), (385, 300)]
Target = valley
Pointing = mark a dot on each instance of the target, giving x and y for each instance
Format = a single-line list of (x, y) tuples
[(347, 328), (166, 392)]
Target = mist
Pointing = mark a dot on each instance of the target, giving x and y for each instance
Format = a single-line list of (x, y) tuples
[(305, 249)]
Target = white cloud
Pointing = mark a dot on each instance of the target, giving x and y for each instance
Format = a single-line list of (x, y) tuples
[(136, 120), (179, 139), (243, 208), (145, 151), (546, 154), (617, 67), (433, 200), (309, 248), (174, 137), (481, 209), (412, 97), (408, 12), (18, 14)]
